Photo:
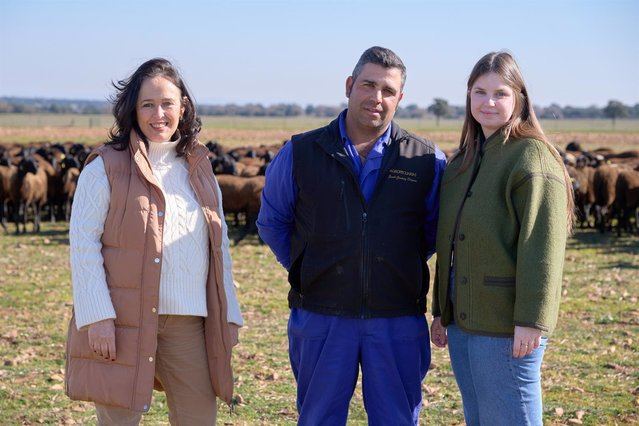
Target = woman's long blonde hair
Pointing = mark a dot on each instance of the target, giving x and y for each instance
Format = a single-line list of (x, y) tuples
[(522, 124)]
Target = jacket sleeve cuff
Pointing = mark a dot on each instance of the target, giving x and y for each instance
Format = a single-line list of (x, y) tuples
[(535, 325), (435, 309)]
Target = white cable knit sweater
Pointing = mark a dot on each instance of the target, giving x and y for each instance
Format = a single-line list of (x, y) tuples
[(185, 243)]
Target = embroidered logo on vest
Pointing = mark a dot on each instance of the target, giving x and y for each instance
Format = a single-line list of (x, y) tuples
[(402, 175)]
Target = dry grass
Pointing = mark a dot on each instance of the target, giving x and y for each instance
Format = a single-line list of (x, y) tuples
[(239, 131), (591, 370)]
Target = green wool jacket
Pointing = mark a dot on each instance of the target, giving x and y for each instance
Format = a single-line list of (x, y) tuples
[(509, 235)]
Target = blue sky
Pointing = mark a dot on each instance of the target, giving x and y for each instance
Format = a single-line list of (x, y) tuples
[(571, 52)]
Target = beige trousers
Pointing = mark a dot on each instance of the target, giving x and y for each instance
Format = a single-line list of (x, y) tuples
[(182, 368)]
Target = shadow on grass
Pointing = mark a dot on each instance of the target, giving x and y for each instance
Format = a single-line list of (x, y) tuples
[(56, 236), (609, 243), (624, 265), (238, 234), (59, 234), (582, 239), (55, 232)]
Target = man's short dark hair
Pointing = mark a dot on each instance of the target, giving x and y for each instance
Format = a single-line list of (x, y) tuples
[(379, 56)]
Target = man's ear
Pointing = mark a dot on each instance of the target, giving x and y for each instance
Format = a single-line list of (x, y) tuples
[(401, 96), (349, 86)]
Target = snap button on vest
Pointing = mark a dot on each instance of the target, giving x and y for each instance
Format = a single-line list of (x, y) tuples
[(464, 280), (462, 316), (462, 237), (156, 260)]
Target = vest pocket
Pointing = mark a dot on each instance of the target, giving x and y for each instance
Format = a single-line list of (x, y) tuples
[(396, 280), (345, 204), (499, 281), (332, 210), (294, 272), (328, 276)]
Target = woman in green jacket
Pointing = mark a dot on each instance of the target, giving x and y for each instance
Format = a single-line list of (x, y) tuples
[(506, 209)]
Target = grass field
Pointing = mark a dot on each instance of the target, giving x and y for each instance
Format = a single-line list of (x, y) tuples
[(591, 368), (590, 374), (237, 131)]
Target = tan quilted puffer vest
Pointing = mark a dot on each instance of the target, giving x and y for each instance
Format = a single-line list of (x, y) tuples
[(132, 251)]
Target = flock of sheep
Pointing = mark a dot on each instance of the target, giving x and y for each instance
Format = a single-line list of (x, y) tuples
[(240, 174), (38, 177), (39, 180), (606, 186)]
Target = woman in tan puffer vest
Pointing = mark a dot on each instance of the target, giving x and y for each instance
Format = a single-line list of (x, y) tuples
[(154, 302)]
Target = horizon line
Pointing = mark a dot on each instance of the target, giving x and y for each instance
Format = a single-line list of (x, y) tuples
[(205, 103)]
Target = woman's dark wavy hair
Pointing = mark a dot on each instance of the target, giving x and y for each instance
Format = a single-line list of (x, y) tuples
[(125, 100)]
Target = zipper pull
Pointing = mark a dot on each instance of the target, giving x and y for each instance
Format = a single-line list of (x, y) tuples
[(364, 217)]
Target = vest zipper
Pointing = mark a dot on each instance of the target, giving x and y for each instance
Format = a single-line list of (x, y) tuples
[(383, 171), (365, 290), (364, 313)]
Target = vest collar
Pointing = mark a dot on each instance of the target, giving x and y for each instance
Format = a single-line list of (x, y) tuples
[(199, 153), (140, 155), (495, 139), (331, 141)]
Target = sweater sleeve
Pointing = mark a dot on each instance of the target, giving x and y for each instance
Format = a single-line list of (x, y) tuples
[(539, 199), (233, 307), (91, 298)]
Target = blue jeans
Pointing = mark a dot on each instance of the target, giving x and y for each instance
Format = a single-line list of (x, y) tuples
[(326, 354), (496, 388)]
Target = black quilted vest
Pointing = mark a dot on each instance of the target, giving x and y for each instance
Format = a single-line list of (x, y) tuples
[(353, 258)]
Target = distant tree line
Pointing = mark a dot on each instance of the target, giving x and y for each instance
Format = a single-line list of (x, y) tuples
[(439, 108), (252, 110), (52, 106)]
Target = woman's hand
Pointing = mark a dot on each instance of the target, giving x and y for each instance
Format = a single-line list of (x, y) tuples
[(102, 338), (438, 333), (525, 341), (235, 333)]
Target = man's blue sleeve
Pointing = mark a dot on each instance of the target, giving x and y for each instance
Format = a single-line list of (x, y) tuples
[(277, 212), (432, 203)]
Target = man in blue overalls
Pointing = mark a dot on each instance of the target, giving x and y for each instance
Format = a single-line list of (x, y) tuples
[(350, 210)]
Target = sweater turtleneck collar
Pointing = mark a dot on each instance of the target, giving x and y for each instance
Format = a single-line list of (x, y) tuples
[(162, 152)]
